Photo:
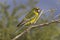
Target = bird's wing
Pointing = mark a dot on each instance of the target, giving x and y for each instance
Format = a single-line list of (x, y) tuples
[(30, 14), (22, 22), (26, 19)]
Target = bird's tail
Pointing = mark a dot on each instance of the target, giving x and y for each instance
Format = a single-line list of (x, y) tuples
[(21, 23), (19, 29)]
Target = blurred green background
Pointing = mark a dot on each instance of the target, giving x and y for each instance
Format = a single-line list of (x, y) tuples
[(11, 15)]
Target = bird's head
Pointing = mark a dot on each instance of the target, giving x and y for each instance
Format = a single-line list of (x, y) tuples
[(38, 10)]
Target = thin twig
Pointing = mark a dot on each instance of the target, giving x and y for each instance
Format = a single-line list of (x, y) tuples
[(45, 24), (22, 33)]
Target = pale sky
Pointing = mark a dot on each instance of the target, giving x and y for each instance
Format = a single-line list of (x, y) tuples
[(43, 4)]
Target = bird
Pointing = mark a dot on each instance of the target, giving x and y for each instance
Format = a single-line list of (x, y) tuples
[(31, 17)]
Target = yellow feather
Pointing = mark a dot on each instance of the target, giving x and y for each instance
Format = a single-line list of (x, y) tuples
[(36, 13), (33, 19)]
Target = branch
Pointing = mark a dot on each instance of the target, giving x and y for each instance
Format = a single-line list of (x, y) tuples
[(45, 24), (22, 33)]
